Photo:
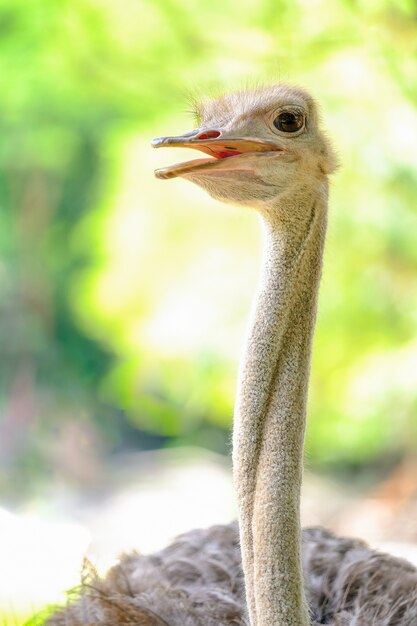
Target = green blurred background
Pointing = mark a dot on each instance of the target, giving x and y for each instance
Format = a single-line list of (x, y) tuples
[(124, 299)]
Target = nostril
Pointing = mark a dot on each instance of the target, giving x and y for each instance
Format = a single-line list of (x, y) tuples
[(208, 134)]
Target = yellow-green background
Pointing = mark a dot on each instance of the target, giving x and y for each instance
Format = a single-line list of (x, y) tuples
[(123, 299)]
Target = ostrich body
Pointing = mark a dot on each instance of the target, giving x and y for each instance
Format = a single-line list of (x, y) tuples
[(269, 155)]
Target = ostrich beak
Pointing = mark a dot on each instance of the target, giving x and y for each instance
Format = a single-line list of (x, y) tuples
[(212, 143)]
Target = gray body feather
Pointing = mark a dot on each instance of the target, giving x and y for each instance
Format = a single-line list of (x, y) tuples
[(198, 581)]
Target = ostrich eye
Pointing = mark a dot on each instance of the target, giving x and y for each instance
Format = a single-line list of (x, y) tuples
[(289, 121)]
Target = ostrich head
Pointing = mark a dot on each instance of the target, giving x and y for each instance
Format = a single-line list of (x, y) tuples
[(261, 143)]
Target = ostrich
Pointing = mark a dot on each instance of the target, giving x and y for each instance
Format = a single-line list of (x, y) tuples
[(266, 151)]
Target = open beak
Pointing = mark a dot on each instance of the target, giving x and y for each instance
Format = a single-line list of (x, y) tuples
[(225, 152)]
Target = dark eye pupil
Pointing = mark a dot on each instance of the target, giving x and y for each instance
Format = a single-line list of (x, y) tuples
[(289, 122)]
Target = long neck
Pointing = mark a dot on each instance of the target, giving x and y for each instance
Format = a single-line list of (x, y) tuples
[(269, 425)]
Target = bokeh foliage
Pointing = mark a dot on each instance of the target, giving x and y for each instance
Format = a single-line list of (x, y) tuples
[(122, 304)]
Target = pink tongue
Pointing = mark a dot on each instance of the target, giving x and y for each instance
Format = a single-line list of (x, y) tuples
[(222, 152), (219, 151)]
